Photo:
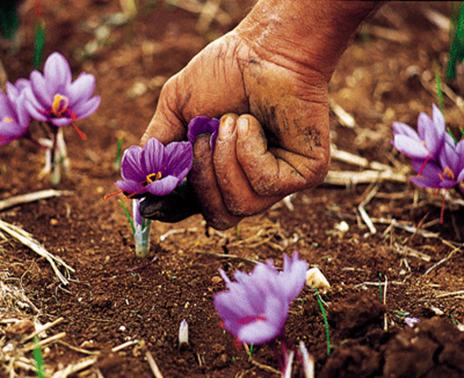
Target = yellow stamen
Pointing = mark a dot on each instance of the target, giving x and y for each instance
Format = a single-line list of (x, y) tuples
[(448, 172), (7, 120), (153, 177), (59, 105)]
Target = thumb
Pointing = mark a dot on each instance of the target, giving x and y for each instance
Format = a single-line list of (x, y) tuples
[(167, 124)]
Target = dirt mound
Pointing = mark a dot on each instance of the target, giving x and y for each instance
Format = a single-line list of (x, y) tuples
[(434, 348)]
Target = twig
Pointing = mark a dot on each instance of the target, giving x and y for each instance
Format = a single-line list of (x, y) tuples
[(386, 33), (362, 210), (442, 261), (124, 345), (408, 251), (350, 158), (351, 178), (153, 366), (345, 118), (46, 341), (77, 349), (264, 367), (31, 197), (44, 328), (450, 294), (74, 368), (26, 239)]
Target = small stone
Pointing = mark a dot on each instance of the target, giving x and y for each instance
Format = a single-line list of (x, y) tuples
[(122, 328), (54, 221)]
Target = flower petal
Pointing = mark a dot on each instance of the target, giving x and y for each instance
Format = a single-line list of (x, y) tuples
[(86, 108), (163, 187), (410, 147), (60, 122), (201, 125), (131, 165), (153, 158), (39, 88), (57, 73), (400, 128), (81, 89), (178, 160), (130, 187)]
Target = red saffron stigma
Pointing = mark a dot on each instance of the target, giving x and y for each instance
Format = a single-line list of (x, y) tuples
[(79, 132), (422, 167), (111, 195)]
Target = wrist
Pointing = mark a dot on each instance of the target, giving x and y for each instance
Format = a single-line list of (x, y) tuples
[(303, 35)]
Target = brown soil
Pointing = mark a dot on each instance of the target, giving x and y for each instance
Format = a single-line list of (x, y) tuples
[(115, 297)]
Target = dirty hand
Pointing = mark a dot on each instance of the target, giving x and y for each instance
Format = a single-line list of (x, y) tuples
[(278, 76)]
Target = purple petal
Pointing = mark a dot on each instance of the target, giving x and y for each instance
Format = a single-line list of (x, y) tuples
[(293, 276), (400, 128), (130, 186), (131, 165), (163, 187), (39, 88), (203, 125), (138, 219), (33, 111), (153, 158), (24, 118), (60, 122), (57, 73), (426, 182), (22, 84), (86, 108), (449, 157), (410, 147), (438, 119), (81, 89), (178, 160)]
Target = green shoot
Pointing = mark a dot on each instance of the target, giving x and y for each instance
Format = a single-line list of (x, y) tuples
[(252, 350), (39, 44), (325, 319), (441, 98), (456, 53), (39, 361), (117, 160), (128, 215)]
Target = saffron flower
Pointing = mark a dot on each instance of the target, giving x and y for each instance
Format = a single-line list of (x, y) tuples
[(254, 308), (154, 168), (203, 125), (141, 230), (424, 144), (14, 118), (54, 98), (447, 172)]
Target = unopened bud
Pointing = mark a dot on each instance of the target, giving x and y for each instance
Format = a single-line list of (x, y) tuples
[(316, 280), (183, 333)]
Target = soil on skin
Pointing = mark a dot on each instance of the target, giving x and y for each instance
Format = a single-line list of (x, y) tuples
[(115, 297)]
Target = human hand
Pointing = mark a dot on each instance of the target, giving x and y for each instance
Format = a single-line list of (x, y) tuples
[(259, 159)]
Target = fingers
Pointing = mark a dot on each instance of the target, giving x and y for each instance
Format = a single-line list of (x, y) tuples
[(237, 193), (281, 171), (166, 124), (203, 180)]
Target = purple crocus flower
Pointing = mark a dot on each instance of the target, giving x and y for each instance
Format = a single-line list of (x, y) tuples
[(14, 118), (446, 172), (154, 168), (203, 125), (254, 308), (53, 97), (427, 142)]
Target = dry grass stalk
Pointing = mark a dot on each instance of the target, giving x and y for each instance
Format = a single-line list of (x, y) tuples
[(194, 6), (124, 345), (350, 158), (153, 366), (386, 33), (75, 368), (345, 118), (42, 329), (31, 197), (351, 178), (26, 239), (408, 251), (442, 261), (264, 367), (362, 210)]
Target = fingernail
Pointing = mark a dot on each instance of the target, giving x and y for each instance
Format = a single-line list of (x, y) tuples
[(227, 127), (243, 125)]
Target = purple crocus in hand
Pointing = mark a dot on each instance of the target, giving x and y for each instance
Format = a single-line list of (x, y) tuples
[(154, 168), (54, 98), (254, 308), (203, 125), (424, 144), (14, 118)]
